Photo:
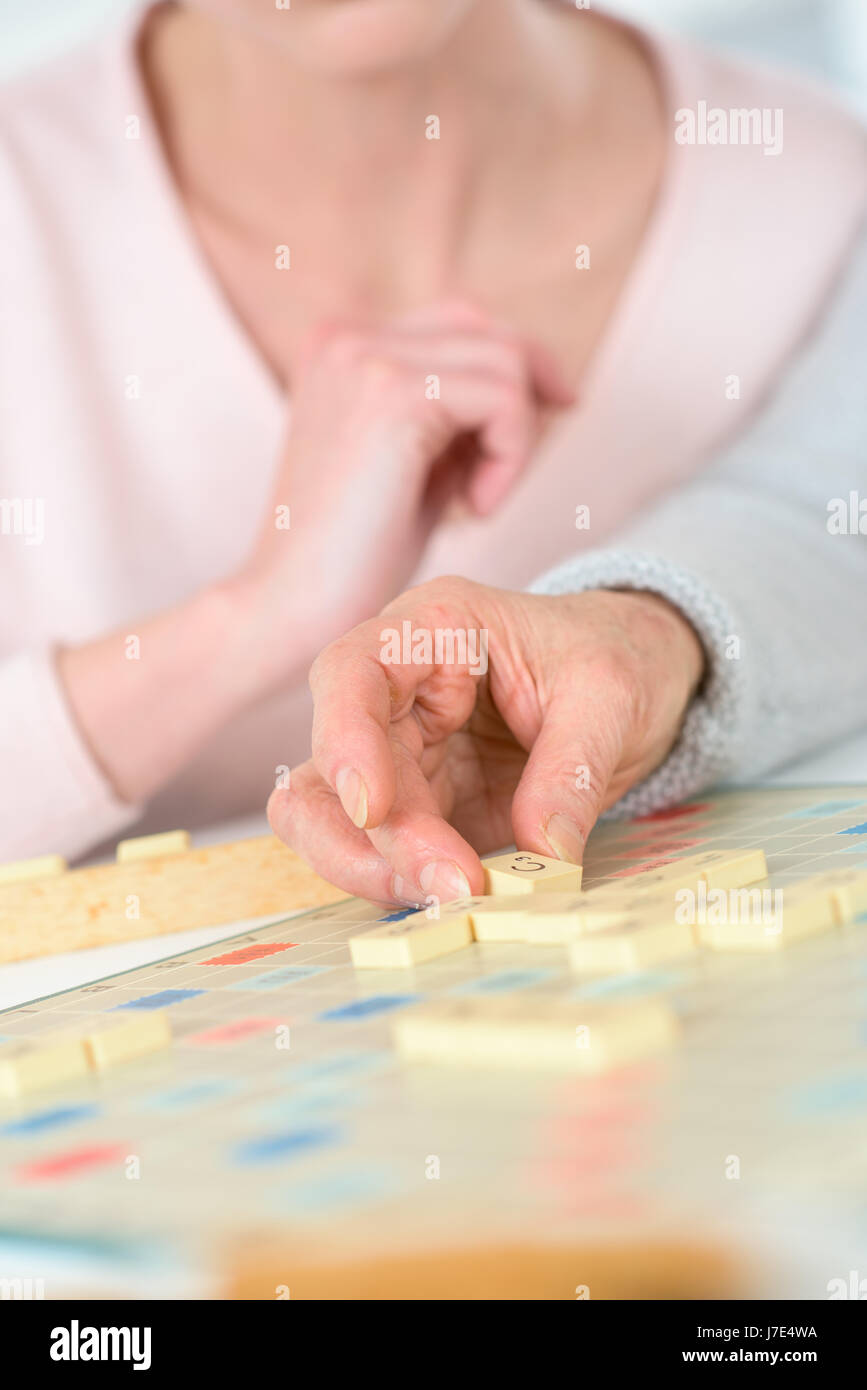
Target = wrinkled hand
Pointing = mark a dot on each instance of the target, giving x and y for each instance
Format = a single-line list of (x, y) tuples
[(418, 768)]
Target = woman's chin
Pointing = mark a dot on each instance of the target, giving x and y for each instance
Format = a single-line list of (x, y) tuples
[(347, 37)]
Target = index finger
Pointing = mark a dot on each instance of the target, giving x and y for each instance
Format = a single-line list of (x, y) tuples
[(356, 697)]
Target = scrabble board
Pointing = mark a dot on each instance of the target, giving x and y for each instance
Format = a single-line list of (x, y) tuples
[(283, 1114)]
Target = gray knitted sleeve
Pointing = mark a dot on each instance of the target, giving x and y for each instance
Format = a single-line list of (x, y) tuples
[(766, 554)]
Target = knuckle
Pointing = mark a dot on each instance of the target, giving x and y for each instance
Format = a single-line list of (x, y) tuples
[(279, 812), (335, 657), (318, 669), (447, 592), (453, 584)]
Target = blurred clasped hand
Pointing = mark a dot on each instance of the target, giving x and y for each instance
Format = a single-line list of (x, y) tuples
[(420, 766), (388, 429)]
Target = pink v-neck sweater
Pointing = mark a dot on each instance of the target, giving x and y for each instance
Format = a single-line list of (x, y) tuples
[(144, 499)]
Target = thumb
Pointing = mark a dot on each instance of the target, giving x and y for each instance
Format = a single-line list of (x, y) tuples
[(564, 784)]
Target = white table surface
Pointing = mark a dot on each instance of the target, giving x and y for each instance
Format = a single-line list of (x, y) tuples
[(31, 979)]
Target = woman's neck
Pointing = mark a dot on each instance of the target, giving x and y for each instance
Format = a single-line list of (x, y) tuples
[(282, 151)]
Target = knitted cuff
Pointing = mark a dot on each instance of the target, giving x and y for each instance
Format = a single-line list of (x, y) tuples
[(715, 723)]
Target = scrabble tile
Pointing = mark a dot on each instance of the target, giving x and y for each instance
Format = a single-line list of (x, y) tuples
[(848, 890), (153, 846), (505, 918), (732, 868), (646, 880), (807, 909), (722, 868), (635, 944), (111, 1043), (414, 939), (523, 872), (33, 1065), (715, 868), (547, 1035), (45, 866), (556, 918), (541, 918)]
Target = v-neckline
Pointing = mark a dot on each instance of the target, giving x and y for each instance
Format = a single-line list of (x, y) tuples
[(618, 334)]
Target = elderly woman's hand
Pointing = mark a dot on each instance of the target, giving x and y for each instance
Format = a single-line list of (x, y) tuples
[(465, 717)]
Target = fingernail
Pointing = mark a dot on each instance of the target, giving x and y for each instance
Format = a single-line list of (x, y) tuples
[(564, 837), (353, 795), (445, 880), (404, 892)]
